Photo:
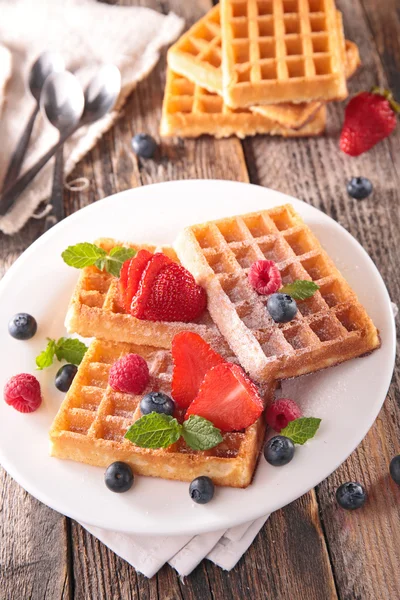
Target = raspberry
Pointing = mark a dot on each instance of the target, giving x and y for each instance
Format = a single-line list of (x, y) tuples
[(265, 277), (130, 374), (281, 412), (22, 392)]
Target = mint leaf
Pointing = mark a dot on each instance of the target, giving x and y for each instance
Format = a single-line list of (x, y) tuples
[(116, 259), (301, 289), (154, 431), (301, 430), (200, 434), (82, 255), (71, 350), (46, 357)]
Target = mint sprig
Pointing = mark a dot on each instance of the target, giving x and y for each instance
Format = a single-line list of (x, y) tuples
[(301, 430), (300, 289), (86, 255), (157, 430), (69, 349)]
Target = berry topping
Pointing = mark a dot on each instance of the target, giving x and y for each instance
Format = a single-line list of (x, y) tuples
[(394, 469), (227, 398), (279, 451), (281, 412), (23, 393), (281, 307), (22, 326), (65, 376), (359, 188), (369, 118), (144, 145), (167, 292), (130, 275), (201, 490), (193, 358), (265, 277), (157, 402), (119, 477), (351, 495), (130, 374)]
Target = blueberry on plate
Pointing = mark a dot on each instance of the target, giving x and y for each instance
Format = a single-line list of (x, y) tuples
[(395, 469), (351, 495), (359, 188), (281, 307), (144, 145), (201, 490), (65, 376), (119, 477), (22, 326), (279, 451), (157, 402)]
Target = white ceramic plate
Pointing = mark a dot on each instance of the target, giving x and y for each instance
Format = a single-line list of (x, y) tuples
[(347, 398)]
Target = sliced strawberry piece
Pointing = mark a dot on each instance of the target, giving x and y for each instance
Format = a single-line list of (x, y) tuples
[(131, 273), (168, 292), (193, 358), (227, 398)]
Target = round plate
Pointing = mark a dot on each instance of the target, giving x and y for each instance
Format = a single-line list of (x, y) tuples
[(347, 398)]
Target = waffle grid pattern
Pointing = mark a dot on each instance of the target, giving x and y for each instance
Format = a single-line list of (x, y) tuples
[(93, 419), (330, 327), (281, 50)]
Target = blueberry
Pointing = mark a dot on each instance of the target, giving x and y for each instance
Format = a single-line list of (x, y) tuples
[(281, 307), (395, 469), (359, 188), (119, 477), (279, 451), (201, 490), (65, 376), (157, 402), (144, 145), (351, 495), (22, 326)]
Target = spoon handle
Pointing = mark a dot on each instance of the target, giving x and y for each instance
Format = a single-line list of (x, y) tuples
[(18, 155), (57, 195)]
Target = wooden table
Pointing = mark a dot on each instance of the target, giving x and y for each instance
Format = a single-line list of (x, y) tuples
[(311, 549)]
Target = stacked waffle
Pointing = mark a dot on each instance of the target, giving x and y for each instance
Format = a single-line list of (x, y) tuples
[(330, 327), (258, 66)]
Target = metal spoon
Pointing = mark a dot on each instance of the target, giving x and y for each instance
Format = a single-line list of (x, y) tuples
[(46, 64), (100, 96)]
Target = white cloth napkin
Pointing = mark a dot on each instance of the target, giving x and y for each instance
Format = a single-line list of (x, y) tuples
[(87, 33)]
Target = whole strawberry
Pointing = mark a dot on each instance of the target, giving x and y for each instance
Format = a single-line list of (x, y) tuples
[(370, 117)]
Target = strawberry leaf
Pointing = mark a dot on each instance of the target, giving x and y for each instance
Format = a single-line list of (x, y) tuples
[(301, 289), (301, 430), (154, 430), (200, 434)]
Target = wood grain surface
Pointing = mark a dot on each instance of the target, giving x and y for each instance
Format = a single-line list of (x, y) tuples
[(310, 550)]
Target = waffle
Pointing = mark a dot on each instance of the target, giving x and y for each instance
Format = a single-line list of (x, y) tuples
[(329, 327), (281, 51), (93, 419), (95, 310), (197, 56), (190, 111)]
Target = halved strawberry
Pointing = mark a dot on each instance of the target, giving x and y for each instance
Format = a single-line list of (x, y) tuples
[(193, 358), (227, 398), (130, 275)]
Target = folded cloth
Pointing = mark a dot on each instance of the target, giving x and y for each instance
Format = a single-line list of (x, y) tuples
[(5, 72), (147, 554), (88, 34)]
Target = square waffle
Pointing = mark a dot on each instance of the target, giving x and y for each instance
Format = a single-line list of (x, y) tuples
[(197, 56), (93, 419), (329, 328), (95, 310), (281, 51), (191, 111)]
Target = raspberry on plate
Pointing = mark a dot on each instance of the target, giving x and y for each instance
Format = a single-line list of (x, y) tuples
[(22, 392), (129, 374), (281, 412), (265, 277)]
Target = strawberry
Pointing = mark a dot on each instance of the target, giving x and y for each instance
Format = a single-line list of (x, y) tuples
[(227, 398), (129, 278), (167, 292), (369, 118), (193, 358)]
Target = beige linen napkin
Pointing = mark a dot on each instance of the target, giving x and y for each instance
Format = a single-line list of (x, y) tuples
[(87, 33)]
